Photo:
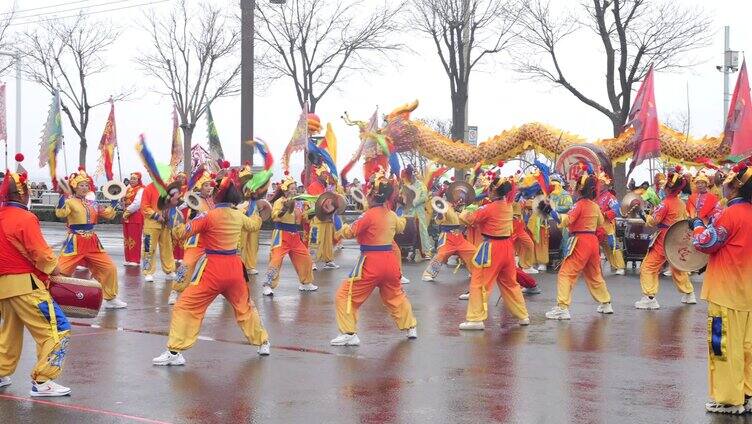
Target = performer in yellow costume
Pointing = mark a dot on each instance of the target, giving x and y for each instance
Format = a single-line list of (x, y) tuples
[(82, 245), (322, 232), (728, 289), (26, 261), (249, 241), (192, 248), (609, 205), (156, 236), (288, 216)]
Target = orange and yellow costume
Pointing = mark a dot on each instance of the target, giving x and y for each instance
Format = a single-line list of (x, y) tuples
[(670, 210), (25, 262), (82, 245), (218, 271), (493, 261), (582, 255), (377, 266), (157, 235), (451, 242)]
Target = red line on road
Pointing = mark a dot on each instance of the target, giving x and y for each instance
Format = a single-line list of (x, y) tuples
[(83, 409), (89, 334)]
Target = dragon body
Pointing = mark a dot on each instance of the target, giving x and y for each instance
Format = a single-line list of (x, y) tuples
[(404, 134)]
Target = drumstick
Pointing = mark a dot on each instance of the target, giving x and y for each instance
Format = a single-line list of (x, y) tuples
[(459, 264)]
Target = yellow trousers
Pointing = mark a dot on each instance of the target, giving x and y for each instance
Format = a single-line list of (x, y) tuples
[(157, 238), (729, 354), (322, 237), (540, 250), (499, 269), (47, 324), (615, 257), (249, 245), (185, 270), (584, 259), (221, 275), (101, 267), (650, 271)]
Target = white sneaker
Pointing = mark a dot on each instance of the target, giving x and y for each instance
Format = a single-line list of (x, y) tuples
[(647, 303), (48, 389), (81, 268), (330, 265), (149, 278), (667, 273), (542, 267), (689, 298), (308, 287), (605, 308), (267, 290), (404, 280), (315, 268), (115, 304), (427, 278), (264, 349), (130, 264), (558, 314), (170, 276), (412, 333), (748, 405), (619, 271), (531, 290), (5, 381), (252, 271), (472, 325), (345, 340), (173, 298), (465, 296), (531, 270), (724, 409), (167, 358), (525, 321)]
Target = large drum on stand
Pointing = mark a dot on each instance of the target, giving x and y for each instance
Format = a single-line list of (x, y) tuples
[(637, 237)]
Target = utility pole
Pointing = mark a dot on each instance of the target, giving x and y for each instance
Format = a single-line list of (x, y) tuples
[(247, 12), (730, 65)]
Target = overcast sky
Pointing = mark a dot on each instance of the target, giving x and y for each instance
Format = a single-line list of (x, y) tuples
[(499, 99)]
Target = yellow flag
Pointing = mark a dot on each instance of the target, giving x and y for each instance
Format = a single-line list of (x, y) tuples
[(331, 142)]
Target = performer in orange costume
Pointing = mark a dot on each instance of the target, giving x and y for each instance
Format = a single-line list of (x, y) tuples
[(82, 246), (219, 271), (288, 217), (583, 250), (192, 248), (451, 242), (494, 259), (133, 220), (610, 208), (377, 266), (670, 210), (25, 263), (702, 203), (728, 289)]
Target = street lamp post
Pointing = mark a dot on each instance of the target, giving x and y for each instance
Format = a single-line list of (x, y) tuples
[(17, 57), (247, 17)]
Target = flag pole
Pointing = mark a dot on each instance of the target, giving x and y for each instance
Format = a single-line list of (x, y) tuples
[(120, 170)]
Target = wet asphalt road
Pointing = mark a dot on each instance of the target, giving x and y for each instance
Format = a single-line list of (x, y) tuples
[(632, 367)]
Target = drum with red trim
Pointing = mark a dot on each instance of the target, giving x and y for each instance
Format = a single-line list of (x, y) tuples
[(637, 237), (554, 240), (409, 239), (78, 298)]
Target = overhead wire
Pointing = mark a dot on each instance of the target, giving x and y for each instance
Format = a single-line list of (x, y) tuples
[(152, 3)]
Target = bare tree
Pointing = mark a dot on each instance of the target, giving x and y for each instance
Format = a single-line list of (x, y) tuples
[(634, 35), (464, 33), (7, 44), (66, 55), (316, 43), (193, 58)]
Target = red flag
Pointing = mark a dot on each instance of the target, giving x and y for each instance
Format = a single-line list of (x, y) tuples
[(107, 145), (738, 131), (643, 117), (177, 142)]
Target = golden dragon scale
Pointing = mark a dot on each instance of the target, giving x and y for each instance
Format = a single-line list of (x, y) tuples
[(406, 134)]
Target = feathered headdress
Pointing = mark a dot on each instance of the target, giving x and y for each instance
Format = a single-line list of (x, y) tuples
[(740, 174), (19, 178), (158, 176)]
